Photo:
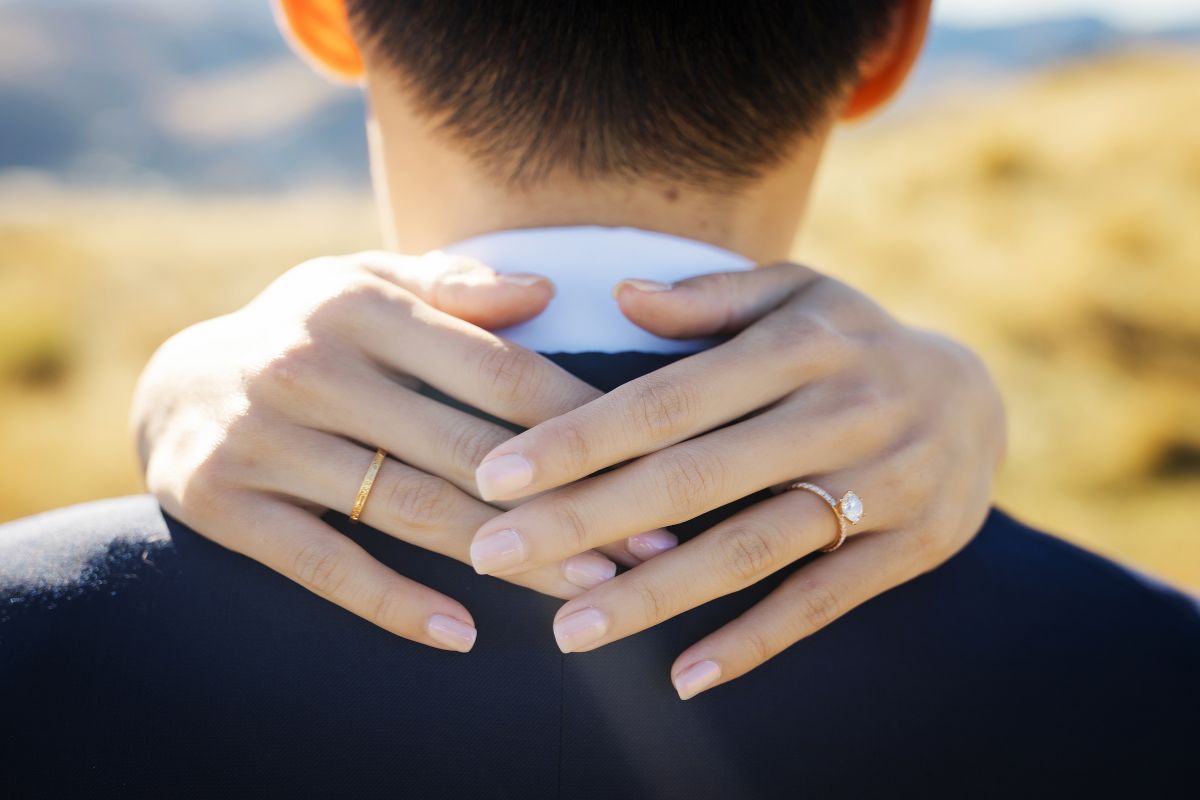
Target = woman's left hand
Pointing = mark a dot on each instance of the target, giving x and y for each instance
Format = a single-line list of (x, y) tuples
[(820, 385)]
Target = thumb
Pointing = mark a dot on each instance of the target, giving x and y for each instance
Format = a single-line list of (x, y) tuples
[(464, 287), (707, 305)]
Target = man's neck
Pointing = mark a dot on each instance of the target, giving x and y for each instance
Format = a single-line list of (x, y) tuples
[(432, 195), (748, 226)]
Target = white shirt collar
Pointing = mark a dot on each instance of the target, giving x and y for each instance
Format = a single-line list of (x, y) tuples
[(585, 262)]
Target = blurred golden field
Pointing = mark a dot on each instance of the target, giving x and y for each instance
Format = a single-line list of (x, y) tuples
[(1053, 224)]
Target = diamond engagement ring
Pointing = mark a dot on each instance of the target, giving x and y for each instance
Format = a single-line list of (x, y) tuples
[(847, 511)]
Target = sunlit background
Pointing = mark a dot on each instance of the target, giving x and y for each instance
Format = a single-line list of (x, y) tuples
[(1036, 194)]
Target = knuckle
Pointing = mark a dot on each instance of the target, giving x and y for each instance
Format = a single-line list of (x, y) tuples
[(320, 567), (389, 608), (872, 400), (818, 605), (809, 343), (661, 409), (569, 438), (653, 600), (357, 292), (716, 297), (842, 303), (419, 502), (200, 493), (205, 487), (867, 415), (296, 366), (354, 304), (691, 481), (921, 479), (511, 374), (920, 453), (933, 539), (756, 644), (202, 466), (468, 442), (747, 553), (571, 526), (723, 285)]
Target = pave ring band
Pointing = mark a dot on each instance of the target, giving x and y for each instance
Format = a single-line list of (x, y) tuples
[(847, 511), (364, 490)]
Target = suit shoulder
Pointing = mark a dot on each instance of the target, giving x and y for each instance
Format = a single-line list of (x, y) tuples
[(85, 549), (1040, 564)]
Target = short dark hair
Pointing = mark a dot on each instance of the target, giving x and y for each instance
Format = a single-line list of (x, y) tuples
[(705, 93)]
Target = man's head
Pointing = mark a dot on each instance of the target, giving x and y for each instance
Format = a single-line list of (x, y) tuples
[(706, 99)]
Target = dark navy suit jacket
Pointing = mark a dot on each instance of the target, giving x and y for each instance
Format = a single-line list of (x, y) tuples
[(139, 659)]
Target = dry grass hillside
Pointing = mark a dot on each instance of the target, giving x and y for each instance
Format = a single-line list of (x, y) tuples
[(1054, 225)]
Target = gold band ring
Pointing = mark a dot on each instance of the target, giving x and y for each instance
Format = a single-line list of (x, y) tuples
[(364, 490), (847, 511)]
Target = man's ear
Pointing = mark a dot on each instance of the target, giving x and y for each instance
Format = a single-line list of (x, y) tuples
[(888, 62), (319, 30)]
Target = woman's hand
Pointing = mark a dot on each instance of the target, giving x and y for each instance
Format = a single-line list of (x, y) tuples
[(819, 385), (251, 424)]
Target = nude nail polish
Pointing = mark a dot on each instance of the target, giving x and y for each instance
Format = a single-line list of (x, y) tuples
[(641, 285), (498, 551), (522, 279), (502, 477), (696, 678), (453, 633), (580, 629), (589, 569), (649, 544)]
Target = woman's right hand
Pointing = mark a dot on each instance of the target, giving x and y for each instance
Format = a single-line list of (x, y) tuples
[(250, 425)]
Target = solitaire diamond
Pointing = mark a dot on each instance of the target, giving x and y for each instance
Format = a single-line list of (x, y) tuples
[(851, 507)]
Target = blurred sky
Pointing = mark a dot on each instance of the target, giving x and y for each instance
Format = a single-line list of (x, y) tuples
[(1136, 14), (205, 95), (1129, 13)]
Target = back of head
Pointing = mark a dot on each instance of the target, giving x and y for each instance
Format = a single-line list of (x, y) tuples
[(706, 93)]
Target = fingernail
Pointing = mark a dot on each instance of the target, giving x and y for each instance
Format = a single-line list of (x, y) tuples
[(497, 551), (451, 632), (502, 476), (522, 278), (580, 629), (649, 544), (696, 678), (641, 285), (588, 569)]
